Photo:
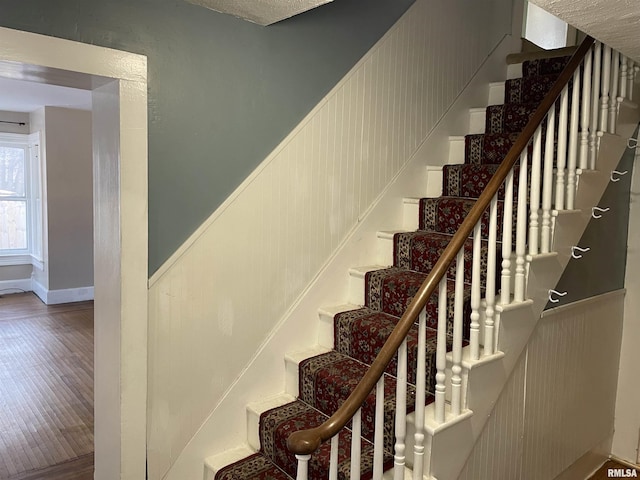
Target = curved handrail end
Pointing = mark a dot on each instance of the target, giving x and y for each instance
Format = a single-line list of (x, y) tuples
[(304, 442)]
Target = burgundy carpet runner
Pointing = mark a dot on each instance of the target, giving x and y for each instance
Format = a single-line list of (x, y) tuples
[(327, 380)]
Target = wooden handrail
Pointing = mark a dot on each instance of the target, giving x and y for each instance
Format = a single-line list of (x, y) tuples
[(305, 442)]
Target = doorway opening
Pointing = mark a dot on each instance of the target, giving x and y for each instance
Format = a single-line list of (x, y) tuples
[(118, 84)]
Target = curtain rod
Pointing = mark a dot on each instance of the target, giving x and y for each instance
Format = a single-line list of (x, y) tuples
[(14, 123)]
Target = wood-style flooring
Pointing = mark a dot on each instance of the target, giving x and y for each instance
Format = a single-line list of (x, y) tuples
[(46, 389)]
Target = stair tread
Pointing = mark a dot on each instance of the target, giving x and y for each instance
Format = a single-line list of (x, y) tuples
[(254, 467)]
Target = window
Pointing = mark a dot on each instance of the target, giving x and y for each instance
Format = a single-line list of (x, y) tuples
[(20, 211)]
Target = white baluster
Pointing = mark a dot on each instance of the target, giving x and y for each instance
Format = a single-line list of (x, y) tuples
[(595, 106), (302, 473), (356, 439), (401, 413), (490, 288), (573, 141), (547, 183), (333, 458), (421, 387), (606, 79), (378, 436), (441, 352), (623, 79), (507, 241), (584, 117), (521, 230), (613, 100), (561, 163), (631, 73), (456, 367), (534, 202), (474, 335)]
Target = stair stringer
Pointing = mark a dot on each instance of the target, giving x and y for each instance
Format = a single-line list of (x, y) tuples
[(450, 444)]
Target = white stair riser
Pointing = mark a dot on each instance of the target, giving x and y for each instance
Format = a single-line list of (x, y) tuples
[(410, 212), (385, 250), (514, 71), (456, 149), (477, 120), (496, 93)]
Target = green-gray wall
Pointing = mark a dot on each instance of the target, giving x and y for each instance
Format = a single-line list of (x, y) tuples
[(222, 92), (602, 269)]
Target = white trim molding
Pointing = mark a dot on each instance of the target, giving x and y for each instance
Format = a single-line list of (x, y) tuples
[(67, 295), (15, 286)]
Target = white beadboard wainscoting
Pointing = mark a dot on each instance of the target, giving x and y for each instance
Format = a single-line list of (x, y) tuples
[(558, 406), (245, 288)]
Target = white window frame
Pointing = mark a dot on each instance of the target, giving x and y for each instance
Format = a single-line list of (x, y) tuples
[(33, 197)]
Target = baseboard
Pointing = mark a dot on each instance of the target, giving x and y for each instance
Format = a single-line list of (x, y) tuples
[(591, 461), (67, 295), (15, 286)]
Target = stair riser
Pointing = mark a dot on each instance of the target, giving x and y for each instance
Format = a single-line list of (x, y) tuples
[(496, 93), (477, 120)]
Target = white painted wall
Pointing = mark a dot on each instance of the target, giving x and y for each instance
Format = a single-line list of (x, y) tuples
[(229, 288), (559, 403), (626, 440), (544, 29)]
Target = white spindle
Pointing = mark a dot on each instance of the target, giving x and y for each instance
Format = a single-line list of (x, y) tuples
[(547, 183), (401, 413), (333, 457), (441, 352), (584, 117), (421, 387), (456, 367), (623, 78), (474, 334), (573, 141), (378, 436), (521, 230), (490, 288), (595, 106), (507, 241), (356, 435), (631, 73), (302, 473), (534, 202), (613, 99), (563, 127), (606, 79)]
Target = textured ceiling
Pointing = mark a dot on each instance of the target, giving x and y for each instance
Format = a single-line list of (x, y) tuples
[(262, 12), (614, 22)]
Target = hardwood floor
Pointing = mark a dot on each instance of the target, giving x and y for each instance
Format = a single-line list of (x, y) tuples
[(46, 389)]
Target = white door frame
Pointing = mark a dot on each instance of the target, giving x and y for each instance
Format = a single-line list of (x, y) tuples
[(118, 81)]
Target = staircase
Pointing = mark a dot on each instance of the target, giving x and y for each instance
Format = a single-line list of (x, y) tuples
[(320, 380)]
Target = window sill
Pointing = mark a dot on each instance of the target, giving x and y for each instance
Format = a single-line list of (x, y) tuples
[(21, 259)]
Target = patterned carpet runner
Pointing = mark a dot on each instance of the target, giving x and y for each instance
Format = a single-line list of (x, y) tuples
[(325, 381)]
